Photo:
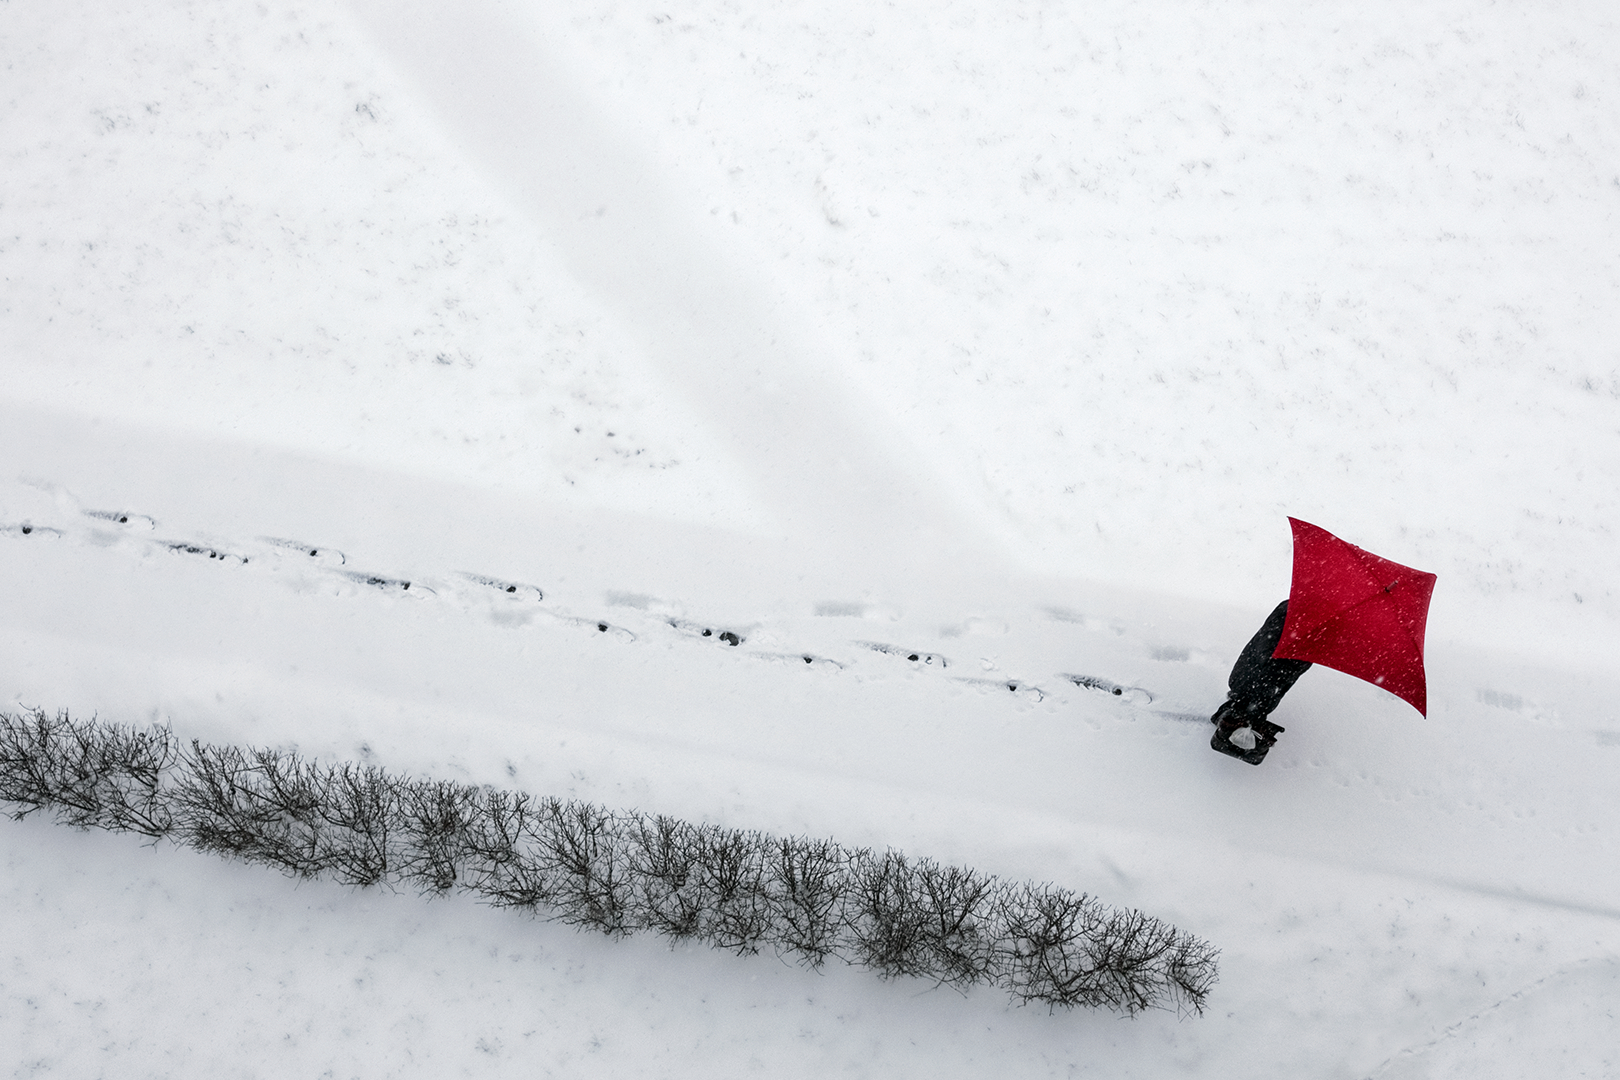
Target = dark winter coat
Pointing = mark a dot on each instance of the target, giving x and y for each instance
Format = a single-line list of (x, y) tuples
[(1259, 680)]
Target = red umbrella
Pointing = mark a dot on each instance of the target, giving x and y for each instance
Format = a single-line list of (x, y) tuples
[(1357, 613)]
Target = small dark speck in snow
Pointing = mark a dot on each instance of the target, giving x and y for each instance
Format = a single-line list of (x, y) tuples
[(602, 626)]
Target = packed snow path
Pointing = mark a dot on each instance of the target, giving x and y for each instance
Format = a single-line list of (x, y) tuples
[(1308, 871)]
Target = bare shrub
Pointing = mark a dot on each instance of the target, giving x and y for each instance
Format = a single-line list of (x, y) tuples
[(436, 821), (1049, 930), (588, 866), (887, 916), (731, 874), (1191, 971), (668, 893), (360, 816), (615, 872), (90, 774), (962, 927), (1070, 950), (259, 805), (805, 886), (274, 807), (499, 865)]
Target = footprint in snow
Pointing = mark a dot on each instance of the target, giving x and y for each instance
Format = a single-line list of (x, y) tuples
[(912, 656), (798, 660), (1006, 686), (135, 522), (387, 584), (515, 589), (181, 547), (1131, 695), (726, 637), (595, 627), (326, 556), (30, 529), (617, 633)]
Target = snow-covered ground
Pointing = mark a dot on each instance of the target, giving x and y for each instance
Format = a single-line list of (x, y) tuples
[(1005, 335)]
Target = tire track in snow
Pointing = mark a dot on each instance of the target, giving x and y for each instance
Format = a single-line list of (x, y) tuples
[(841, 479)]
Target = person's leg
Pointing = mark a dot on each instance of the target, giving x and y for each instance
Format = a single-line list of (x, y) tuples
[(1255, 688), (1259, 680)]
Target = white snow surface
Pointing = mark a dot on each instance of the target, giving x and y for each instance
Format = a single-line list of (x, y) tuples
[(1005, 334)]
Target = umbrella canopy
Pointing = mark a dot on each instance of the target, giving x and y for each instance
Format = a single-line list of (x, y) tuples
[(1354, 612)]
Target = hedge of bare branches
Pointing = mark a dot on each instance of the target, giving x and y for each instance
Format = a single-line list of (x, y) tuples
[(613, 871)]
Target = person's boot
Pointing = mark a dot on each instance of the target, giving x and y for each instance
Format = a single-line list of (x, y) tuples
[(1254, 735)]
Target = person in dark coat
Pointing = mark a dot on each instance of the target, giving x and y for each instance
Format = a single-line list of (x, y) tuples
[(1254, 689)]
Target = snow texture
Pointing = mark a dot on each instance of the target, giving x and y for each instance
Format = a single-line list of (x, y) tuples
[(1004, 336)]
